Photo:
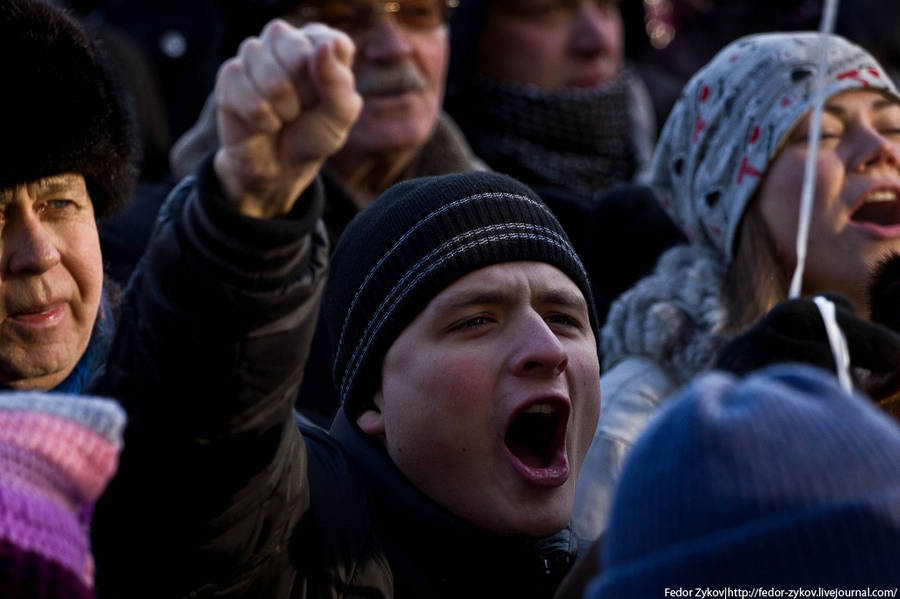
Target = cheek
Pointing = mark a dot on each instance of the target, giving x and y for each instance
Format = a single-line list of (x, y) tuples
[(829, 200), (520, 54), (460, 379), (829, 212), (451, 387), (432, 408), (778, 199), (589, 397), (84, 263), (434, 53)]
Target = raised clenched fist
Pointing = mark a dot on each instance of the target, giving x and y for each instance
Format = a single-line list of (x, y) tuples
[(284, 104)]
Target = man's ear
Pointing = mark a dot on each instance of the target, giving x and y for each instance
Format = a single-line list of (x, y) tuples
[(371, 420)]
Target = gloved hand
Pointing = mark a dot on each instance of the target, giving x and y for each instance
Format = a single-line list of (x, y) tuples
[(884, 304), (793, 331), (884, 293)]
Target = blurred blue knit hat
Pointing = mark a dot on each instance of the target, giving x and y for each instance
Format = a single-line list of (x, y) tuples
[(779, 479)]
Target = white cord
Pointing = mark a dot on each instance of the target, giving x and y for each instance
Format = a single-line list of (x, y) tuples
[(837, 341), (826, 308), (809, 173)]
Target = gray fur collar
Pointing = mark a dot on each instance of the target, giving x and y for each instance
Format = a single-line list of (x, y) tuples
[(673, 317)]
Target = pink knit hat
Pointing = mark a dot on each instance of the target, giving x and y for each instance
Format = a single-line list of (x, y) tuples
[(57, 454)]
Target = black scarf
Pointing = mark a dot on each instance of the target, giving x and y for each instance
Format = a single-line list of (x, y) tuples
[(583, 141)]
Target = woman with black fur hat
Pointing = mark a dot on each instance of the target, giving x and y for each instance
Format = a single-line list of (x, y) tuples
[(68, 159), (221, 308)]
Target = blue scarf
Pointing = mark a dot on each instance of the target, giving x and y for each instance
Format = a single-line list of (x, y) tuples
[(93, 356)]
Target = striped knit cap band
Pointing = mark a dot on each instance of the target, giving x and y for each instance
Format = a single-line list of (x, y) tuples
[(732, 117), (416, 239)]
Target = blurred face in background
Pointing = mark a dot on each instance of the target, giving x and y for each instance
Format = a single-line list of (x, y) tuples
[(554, 44), (402, 52)]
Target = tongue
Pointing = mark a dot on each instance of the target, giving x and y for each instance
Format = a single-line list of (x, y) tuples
[(530, 439), (528, 455), (879, 213)]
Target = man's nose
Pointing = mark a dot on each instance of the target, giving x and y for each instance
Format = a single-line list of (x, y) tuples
[(537, 350), (384, 41), (594, 29), (28, 246)]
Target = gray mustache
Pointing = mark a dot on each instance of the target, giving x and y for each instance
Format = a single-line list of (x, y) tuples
[(390, 79)]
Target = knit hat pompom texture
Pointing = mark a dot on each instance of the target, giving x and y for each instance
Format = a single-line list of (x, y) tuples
[(57, 454), (777, 479), (63, 110), (730, 120), (417, 238)]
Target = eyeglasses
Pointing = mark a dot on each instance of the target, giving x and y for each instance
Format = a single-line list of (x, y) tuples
[(356, 16)]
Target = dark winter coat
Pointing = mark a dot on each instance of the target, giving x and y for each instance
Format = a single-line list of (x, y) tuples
[(213, 333), (218, 493)]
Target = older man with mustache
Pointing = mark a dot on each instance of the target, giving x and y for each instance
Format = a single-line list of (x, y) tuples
[(402, 53), (400, 66)]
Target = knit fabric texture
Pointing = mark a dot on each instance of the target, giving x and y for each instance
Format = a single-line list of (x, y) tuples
[(776, 479), (581, 140), (732, 117), (417, 238), (57, 454), (68, 113), (674, 316)]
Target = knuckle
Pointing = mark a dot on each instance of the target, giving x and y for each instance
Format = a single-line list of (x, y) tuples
[(259, 113), (280, 90), (233, 67), (276, 27), (317, 29), (229, 73), (250, 47)]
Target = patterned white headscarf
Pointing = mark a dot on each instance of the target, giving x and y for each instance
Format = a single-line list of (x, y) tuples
[(732, 117)]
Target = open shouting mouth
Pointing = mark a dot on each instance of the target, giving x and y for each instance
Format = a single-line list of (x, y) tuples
[(535, 441), (878, 209)]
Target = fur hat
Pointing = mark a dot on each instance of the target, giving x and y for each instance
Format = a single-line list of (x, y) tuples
[(779, 479), (417, 238), (732, 117), (63, 110)]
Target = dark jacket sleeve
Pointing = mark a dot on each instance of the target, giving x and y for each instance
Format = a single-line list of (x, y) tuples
[(212, 339)]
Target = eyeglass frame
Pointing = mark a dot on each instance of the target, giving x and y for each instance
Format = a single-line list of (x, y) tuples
[(309, 12)]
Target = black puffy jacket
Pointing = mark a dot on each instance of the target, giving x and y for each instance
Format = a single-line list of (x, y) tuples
[(219, 493)]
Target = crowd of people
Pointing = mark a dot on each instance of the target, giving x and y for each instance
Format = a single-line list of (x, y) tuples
[(357, 298)]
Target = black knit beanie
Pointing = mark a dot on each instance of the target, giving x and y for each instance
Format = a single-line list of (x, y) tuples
[(417, 238), (63, 111)]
